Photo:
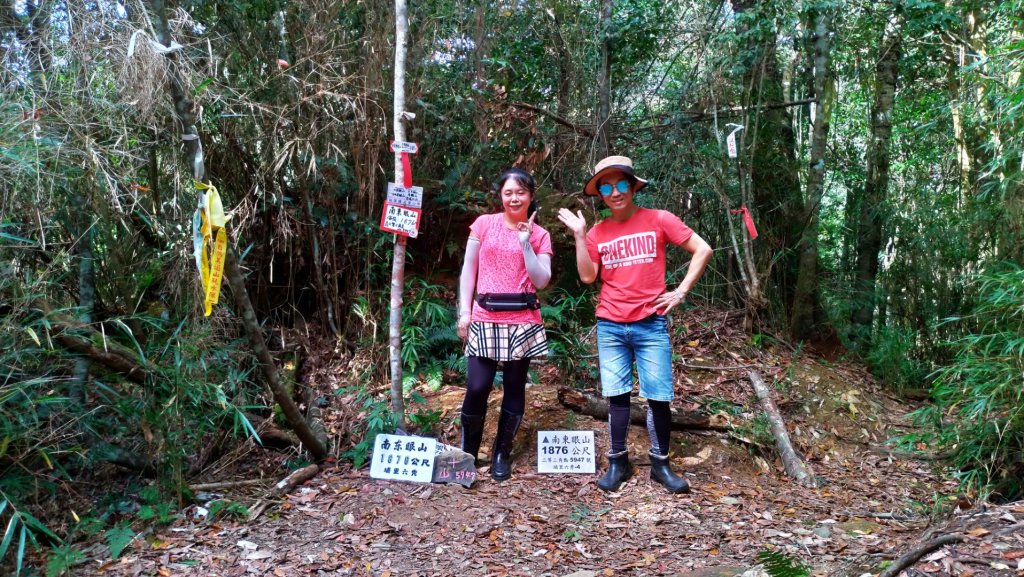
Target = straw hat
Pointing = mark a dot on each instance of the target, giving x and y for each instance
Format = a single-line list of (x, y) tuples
[(611, 164)]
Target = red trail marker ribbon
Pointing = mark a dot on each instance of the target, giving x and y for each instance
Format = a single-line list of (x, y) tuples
[(747, 220), (405, 148)]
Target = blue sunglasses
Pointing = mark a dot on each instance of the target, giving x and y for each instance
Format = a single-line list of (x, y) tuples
[(606, 189)]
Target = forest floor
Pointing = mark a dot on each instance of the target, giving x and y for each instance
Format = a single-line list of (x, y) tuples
[(874, 503)]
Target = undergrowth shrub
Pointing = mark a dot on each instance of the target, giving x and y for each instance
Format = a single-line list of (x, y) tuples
[(892, 360), (978, 413), (56, 428), (569, 320)]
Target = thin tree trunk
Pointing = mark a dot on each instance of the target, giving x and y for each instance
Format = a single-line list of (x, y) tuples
[(398, 264), (563, 137), (481, 116), (806, 312), (112, 356), (870, 224), (604, 82), (324, 297), (194, 158), (252, 328), (792, 462)]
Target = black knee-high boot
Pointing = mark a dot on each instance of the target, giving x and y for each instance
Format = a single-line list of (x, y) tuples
[(472, 431), (501, 461)]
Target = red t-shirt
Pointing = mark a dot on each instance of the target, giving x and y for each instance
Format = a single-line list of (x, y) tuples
[(631, 261), (502, 267)]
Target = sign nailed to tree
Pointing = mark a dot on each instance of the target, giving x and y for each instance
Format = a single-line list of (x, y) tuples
[(400, 220), (411, 197)]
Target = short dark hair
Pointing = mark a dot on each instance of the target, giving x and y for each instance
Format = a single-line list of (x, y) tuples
[(523, 179)]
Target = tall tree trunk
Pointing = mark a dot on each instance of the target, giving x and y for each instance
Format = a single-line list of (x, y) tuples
[(774, 183), (233, 273), (876, 186), (86, 290), (563, 136), (398, 264), (604, 83), (481, 118), (807, 314)]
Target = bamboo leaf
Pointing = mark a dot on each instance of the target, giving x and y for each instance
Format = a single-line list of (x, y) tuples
[(21, 548), (12, 525)]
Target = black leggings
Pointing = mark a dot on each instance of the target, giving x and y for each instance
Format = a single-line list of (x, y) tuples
[(480, 373), (659, 423)]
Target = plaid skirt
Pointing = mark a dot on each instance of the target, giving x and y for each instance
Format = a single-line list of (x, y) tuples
[(506, 342)]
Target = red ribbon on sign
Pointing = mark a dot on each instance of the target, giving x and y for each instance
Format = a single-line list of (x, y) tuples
[(747, 220), (406, 171)]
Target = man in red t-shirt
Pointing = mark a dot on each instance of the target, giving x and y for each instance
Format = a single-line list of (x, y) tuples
[(627, 251)]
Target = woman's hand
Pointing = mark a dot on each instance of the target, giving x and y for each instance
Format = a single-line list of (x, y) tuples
[(576, 223), (526, 228), (463, 326)]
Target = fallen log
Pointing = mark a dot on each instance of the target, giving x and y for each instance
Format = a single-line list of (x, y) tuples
[(792, 462), (597, 407), (217, 486), (298, 477), (85, 340)]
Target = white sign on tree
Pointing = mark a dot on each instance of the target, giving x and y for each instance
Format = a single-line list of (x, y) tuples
[(411, 197), (400, 220)]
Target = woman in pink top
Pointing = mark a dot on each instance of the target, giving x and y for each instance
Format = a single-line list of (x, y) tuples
[(507, 255)]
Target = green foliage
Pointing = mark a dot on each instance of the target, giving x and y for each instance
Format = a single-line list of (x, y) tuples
[(892, 358), (156, 507), (228, 509), (430, 342), (23, 528), (582, 517), (62, 559), (423, 420), (377, 418), (118, 538), (569, 320), (778, 564), (978, 415), (714, 405)]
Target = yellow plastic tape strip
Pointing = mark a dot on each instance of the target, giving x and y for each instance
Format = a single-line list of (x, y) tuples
[(216, 275), (215, 208), (212, 223)]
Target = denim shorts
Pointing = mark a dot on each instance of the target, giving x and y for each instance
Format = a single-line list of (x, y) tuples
[(646, 342)]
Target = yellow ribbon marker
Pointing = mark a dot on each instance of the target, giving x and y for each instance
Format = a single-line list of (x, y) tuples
[(212, 222)]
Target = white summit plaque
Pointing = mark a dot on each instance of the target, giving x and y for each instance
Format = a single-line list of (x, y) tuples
[(565, 452)]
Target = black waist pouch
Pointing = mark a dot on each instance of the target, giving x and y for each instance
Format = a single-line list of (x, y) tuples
[(504, 302)]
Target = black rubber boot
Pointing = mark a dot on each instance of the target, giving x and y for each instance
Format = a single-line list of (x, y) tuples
[(472, 431), (619, 471), (501, 460), (661, 472)]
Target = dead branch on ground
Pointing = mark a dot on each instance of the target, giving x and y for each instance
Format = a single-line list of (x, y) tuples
[(916, 553), (792, 462)]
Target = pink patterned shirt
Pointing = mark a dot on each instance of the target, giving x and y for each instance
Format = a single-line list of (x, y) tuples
[(502, 268)]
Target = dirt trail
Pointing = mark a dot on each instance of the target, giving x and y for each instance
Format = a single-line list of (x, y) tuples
[(873, 504)]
